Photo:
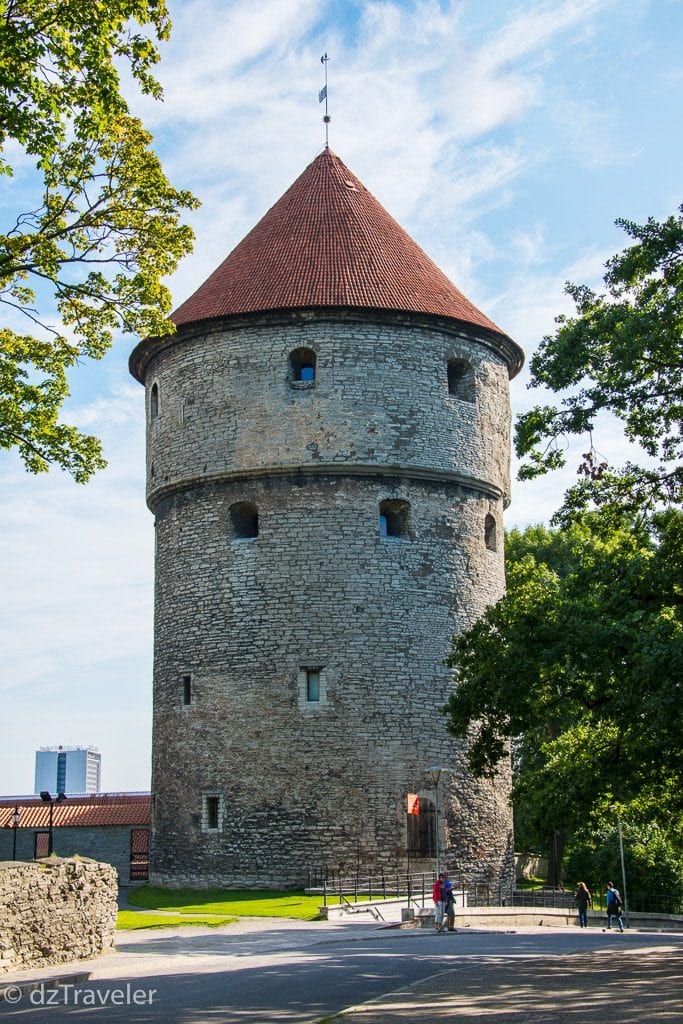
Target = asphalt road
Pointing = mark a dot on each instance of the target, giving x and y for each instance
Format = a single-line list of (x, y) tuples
[(290, 977)]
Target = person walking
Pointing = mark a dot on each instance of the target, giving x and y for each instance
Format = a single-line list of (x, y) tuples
[(448, 902), (614, 906), (583, 900), (438, 897)]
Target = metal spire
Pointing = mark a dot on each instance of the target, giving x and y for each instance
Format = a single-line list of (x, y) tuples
[(322, 95)]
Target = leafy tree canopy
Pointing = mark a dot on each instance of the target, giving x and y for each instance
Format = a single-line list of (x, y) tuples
[(105, 226), (621, 353), (652, 836), (581, 664)]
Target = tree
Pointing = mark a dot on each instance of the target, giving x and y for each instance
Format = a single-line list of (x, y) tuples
[(105, 226), (580, 667), (653, 852), (621, 353)]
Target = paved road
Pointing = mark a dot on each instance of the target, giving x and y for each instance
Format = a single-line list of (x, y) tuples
[(288, 973)]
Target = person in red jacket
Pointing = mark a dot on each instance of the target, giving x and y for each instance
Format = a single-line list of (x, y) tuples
[(438, 897)]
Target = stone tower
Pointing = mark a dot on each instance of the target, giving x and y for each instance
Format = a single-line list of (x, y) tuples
[(327, 464)]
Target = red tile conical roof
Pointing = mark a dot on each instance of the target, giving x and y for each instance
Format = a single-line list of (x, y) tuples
[(328, 242)]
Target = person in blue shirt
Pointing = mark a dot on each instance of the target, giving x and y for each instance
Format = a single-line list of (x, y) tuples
[(448, 902), (614, 907)]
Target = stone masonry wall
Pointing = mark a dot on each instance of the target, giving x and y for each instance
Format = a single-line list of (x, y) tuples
[(109, 844), (305, 784), (298, 784), (55, 910), (381, 398)]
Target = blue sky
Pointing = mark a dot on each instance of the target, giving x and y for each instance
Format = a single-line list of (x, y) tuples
[(506, 139)]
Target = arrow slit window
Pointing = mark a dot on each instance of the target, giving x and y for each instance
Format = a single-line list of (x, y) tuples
[(461, 380), (154, 402), (243, 521), (490, 533)]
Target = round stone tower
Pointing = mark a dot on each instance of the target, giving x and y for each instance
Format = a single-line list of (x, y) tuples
[(327, 464)]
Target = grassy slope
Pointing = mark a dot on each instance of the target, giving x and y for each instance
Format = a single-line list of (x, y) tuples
[(131, 919), (237, 902)]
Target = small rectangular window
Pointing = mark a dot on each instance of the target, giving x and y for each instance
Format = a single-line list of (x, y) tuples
[(211, 818), (312, 689), (312, 685), (394, 519), (211, 812), (187, 689)]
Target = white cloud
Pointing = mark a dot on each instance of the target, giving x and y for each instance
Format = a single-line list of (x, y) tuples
[(536, 24), (221, 57)]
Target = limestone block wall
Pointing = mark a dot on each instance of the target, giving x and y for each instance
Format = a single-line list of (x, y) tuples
[(253, 784), (226, 402), (302, 785), (55, 910)]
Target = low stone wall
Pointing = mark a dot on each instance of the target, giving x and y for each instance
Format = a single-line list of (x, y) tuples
[(55, 910), (536, 917)]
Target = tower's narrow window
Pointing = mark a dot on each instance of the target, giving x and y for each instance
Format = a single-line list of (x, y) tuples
[(312, 685), (212, 812), (490, 532), (422, 830), (243, 521), (302, 366), (154, 401), (394, 518), (461, 380), (311, 689), (187, 689)]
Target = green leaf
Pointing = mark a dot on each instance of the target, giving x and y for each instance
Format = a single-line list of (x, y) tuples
[(621, 353), (107, 226)]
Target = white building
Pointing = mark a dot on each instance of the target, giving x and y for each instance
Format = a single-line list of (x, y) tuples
[(68, 770)]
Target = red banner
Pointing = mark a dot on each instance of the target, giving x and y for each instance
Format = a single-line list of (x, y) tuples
[(413, 804)]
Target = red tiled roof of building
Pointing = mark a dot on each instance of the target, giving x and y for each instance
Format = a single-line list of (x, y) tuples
[(328, 243), (78, 811)]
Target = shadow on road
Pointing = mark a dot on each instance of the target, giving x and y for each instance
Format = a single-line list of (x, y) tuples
[(616, 987)]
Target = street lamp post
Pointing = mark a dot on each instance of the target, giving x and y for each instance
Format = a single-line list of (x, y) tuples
[(435, 773), (51, 801), (623, 868), (16, 818)]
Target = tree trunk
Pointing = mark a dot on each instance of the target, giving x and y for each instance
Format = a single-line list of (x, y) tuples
[(555, 858)]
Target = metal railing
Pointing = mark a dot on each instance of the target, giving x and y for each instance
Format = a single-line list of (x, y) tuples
[(638, 902), (417, 888)]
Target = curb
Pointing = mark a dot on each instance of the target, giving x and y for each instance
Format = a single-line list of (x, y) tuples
[(9, 991)]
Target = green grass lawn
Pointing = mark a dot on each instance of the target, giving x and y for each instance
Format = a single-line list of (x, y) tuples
[(230, 902), (131, 919)]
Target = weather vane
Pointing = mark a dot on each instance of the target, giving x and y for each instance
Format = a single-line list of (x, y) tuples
[(322, 95)]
